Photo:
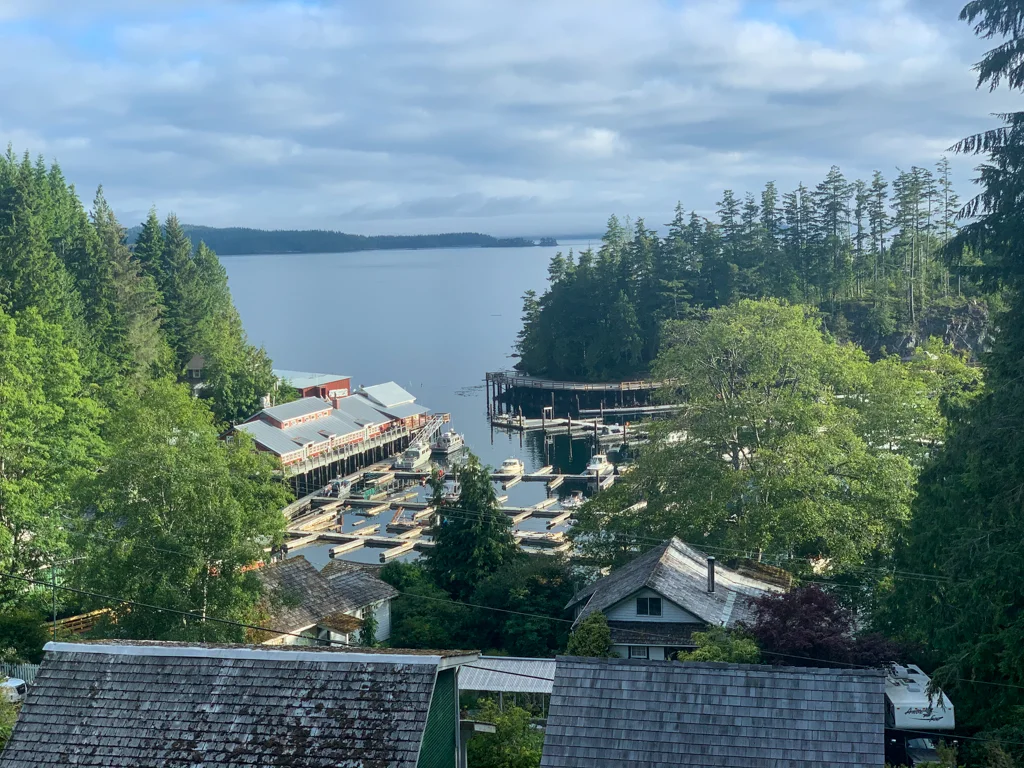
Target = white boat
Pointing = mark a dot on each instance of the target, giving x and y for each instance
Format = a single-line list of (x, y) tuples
[(449, 442), (574, 500), (612, 430), (599, 465), (511, 466), (415, 456)]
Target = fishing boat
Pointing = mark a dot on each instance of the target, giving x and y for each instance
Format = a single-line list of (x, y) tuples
[(415, 456), (449, 442), (573, 501), (599, 466), (511, 466)]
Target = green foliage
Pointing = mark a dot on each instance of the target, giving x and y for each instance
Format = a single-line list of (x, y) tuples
[(24, 632), (8, 717), (540, 585), (473, 539), (789, 443), (719, 644), (514, 744), (368, 632), (177, 515), (424, 615), (838, 247), (966, 530), (48, 443), (591, 637)]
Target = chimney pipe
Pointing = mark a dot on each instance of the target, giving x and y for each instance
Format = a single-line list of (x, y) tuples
[(711, 574)]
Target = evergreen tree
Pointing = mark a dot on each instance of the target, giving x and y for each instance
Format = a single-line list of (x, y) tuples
[(473, 539), (149, 248)]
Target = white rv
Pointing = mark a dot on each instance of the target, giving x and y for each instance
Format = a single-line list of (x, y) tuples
[(911, 714)]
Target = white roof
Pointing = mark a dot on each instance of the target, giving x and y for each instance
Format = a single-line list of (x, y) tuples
[(906, 688), (388, 395), (508, 674), (303, 379)]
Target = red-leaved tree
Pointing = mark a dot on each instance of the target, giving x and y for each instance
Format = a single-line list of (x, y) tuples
[(809, 627)]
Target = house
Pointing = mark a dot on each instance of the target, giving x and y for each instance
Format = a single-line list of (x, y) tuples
[(617, 712), (326, 386), (168, 705), (655, 603), (194, 368), (313, 608), (397, 403)]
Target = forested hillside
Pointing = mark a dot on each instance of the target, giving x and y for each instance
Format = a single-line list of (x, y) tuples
[(865, 252), (234, 241), (106, 460)]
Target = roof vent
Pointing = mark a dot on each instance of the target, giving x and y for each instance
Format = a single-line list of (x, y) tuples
[(711, 574)]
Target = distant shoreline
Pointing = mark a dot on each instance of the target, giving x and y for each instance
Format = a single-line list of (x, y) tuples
[(241, 241)]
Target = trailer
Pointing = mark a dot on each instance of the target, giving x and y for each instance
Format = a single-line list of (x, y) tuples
[(913, 712)]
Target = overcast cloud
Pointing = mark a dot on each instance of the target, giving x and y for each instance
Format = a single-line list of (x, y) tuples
[(517, 117)]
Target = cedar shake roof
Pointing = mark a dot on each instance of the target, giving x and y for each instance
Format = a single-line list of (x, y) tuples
[(297, 595), (97, 705), (678, 572), (617, 712)]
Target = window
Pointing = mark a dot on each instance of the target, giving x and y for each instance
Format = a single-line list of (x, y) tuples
[(638, 651), (648, 606)]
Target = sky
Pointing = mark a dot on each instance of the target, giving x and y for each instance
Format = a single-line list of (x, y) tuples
[(508, 117)]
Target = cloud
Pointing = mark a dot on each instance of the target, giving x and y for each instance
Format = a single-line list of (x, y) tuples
[(506, 117)]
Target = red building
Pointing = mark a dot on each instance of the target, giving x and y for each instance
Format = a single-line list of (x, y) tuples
[(326, 386)]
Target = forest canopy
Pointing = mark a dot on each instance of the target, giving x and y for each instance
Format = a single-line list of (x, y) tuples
[(868, 254)]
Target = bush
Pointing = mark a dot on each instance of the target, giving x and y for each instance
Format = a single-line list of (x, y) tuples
[(25, 632)]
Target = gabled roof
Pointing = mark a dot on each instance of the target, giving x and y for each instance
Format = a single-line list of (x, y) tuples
[(679, 573), (359, 587), (508, 674), (358, 409), (303, 379), (196, 363), (295, 437), (297, 595), (388, 395), (615, 712), (95, 705), (404, 410), (295, 409)]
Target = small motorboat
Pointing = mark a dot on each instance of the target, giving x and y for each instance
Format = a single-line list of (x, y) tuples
[(511, 466), (599, 465), (415, 456), (574, 500), (449, 442)]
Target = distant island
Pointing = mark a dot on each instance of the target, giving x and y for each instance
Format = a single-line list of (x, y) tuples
[(236, 241)]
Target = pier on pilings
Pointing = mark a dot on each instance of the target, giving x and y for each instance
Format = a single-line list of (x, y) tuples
[(514, 394)]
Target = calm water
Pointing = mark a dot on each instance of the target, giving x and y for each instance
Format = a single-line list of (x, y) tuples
[(432, 320)]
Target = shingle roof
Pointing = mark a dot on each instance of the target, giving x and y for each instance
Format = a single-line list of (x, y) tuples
[(508, 674), (303, 379), (359, 587), (679, 573), (388, 394), (104, 705), (615, 712), (298, 596), (334, 566)]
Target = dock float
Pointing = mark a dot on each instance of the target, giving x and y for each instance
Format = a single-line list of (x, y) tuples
[(555, 481), (366, 530), (373, 511), (349, 546), (390, 554), (548, 502), (560, 518), (510, 482)]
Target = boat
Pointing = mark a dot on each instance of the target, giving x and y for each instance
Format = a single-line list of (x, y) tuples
[(573, 501), (452, 494), (612, 430), (415, 456), (511, 466), (599, 465), (449, 442)]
